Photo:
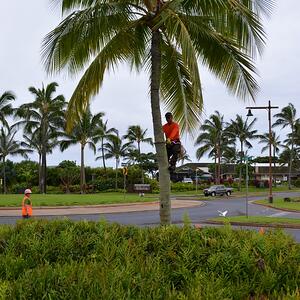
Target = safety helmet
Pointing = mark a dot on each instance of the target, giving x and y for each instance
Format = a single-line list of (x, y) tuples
[(27, 191)]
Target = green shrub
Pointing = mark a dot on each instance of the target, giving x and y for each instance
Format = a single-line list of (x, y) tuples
[(182, 187), (42, 259)]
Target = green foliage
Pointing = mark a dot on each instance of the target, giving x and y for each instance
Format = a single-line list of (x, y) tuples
[(27, 171), (296, 182), (43, 259), (182, 187)]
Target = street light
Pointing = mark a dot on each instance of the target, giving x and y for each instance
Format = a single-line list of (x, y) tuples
[(249, 114)]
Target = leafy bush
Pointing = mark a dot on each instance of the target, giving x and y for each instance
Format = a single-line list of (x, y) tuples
[(43, 259), (182, 187), (296, 182)]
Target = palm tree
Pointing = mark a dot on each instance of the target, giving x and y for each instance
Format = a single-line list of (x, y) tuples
[(103, 134), (275, 144), (33, 141), (9, 146), (287, 118), (135, 134), (85, 132), (215, 140), (114, 148), (167, 38), (45, 113), (243, 132), (5, 106)]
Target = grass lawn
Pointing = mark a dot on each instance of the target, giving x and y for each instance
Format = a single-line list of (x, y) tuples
[(75, 199), (258, 220), (279, 203)]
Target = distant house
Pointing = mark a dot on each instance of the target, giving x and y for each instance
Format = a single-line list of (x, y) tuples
[(261, 171)]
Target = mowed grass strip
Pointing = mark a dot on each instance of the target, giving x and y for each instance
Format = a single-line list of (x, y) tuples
[(280, 203), (258, 220), (14, 200)]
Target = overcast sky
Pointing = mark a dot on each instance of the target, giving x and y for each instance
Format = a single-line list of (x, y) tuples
[(125, 96)]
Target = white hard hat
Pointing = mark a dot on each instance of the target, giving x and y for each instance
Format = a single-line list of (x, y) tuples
[(27, 191)]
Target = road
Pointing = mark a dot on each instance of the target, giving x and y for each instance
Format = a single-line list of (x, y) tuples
[(197, 214)]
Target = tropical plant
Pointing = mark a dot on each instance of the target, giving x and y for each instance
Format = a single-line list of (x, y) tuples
[(242, 131), (167, 38), (68, 172), (33, 140), (103, 134), (135, 134), (114, 148), (287, 118), (85, 132), (274, 142), (46, 115), (5, 106), (9, 147), (215, 140)]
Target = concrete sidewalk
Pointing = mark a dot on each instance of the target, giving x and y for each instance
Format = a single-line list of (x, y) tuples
[(97, 209)]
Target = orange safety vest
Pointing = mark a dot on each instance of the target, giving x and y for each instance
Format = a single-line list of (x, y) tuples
[(26, 208)]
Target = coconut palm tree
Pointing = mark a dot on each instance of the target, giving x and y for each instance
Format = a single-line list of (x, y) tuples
[(85, 132), (242, 131), (275, 144), (114, 148), (214, 139), (167, 39), (287, 118), (5, 106), (45, 113), (9, 146), (103, 134), (33, 141), (135, 134)]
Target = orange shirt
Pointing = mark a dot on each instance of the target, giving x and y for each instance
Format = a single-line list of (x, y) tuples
[(26, 207), (171, 131)]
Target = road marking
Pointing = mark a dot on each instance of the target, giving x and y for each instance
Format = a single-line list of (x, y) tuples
[(279, 214)]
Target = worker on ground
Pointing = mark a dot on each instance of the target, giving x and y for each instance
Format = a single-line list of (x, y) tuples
[(27, 205), (171, 130)]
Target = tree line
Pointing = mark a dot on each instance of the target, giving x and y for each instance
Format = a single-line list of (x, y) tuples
[(43, 122)]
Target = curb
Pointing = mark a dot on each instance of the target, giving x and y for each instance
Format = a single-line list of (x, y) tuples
[(270, 206), (256, 224)]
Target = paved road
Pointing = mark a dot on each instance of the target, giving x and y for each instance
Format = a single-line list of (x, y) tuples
[(197, 214)]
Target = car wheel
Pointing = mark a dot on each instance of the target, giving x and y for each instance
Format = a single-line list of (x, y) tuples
[(213, 194), (228, 193)]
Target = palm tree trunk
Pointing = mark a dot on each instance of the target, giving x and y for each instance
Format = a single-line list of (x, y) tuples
[(160, 146), (103, 159), (44, 172), (219, 165), (216, 169), (40, 172), (139, 150), (82, 171), (117, 166), (4, 176)]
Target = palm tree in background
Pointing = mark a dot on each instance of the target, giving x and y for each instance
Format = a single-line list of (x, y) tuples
[(114, 148), (9, 147), (287, 118), (45, 113), (214, 139), (85, 132), (275, 144), (242, 131), (167, 39), (135, 134), (6, 108), (103, 134), (33, 141)]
